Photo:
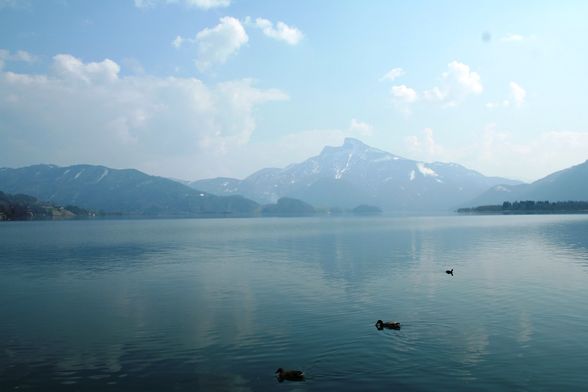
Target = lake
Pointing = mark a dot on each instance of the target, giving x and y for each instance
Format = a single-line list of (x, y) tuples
[(220, 304)]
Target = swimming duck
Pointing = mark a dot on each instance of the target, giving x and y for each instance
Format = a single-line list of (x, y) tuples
[(388, 325), (290, 375), (450, 272)]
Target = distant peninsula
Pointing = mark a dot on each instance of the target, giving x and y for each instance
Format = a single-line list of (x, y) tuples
[(530, 207), (25, 207)]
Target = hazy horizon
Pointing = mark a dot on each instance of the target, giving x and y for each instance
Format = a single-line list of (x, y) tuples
[(195, 89)]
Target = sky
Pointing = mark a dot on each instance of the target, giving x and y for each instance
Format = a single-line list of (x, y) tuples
[(194, 89)]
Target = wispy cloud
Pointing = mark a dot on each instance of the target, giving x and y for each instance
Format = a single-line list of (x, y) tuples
[(458, 82), (202, 4), (18, 56), (516, 38), (404, 93), (68, 67), (517, 95), (360, 128), (424, 146), (164, 125), (215, 45), (403, 97), (178, 41), (279, 31), (494, 150), (393, 74)]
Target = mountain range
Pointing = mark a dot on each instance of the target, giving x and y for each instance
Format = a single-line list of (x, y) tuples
[(340, 177), (126, 191), (563, 185), (355, 173)]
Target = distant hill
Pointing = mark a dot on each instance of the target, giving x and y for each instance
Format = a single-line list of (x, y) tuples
[(564, 185), (126, 191), (355, 173)]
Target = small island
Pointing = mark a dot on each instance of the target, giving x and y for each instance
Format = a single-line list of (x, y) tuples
[(530, 207), (365, 209), (287, 206)]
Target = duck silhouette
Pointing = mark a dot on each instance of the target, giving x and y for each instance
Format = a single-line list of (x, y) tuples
[(450, 272), (290, 375), (380, 325)]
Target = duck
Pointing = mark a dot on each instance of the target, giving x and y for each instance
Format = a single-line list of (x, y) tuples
[(450, 272), (290, 375), (380, 325)]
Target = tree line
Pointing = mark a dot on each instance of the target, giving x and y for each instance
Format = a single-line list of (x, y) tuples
[(530, 206)]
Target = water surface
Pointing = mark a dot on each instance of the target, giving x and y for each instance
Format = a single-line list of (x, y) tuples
[(153, 305)]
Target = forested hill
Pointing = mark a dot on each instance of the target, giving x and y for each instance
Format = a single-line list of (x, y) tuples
[(15, 207)]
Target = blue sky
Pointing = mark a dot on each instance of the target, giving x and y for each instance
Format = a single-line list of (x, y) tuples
[(202, 88)]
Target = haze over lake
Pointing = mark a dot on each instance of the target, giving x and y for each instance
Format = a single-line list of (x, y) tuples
[(123, 305)]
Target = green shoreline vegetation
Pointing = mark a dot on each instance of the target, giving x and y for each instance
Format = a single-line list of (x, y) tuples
[(25, 207), (530, 207)]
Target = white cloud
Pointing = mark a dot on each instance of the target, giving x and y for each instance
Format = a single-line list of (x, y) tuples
[(403, 97), (404, 94), (202, 4), (18, 56), (519, 94), (425, 147), (217, 44), (23, 55), (493, 152), (177, 42), (458, 82), (70, 68), (281, 31), (468, 80), (393, 74), (516, 38), (361, 128), (87, 112)]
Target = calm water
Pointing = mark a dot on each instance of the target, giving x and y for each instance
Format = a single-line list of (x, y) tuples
[(161, 305)]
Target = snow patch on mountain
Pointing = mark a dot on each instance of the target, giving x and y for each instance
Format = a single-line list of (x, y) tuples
[(354, 173), (104, 174), (426, 171), (340, 172)]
